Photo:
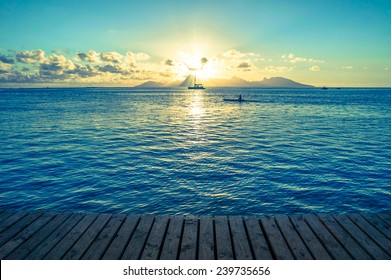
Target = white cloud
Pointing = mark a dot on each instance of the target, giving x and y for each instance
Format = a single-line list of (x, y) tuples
[(278, 69), (244, 66), (90, 56), (292, 58), (31, 56), (386, 69), (233, 54), (315, 68), (112, 57), (56, 66), (131, 57), (4, 67), (348, 67), (168, 62)]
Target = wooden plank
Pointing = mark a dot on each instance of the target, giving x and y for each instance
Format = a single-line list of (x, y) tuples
[(257, 239), (206, 249), (278, 245), (224, 248), (241, 245), (379, 224), (309, 238), (25, 234), (72, 236), (136, 244), (189, 246), (156, 238), (99, 246), (38, 238), (385, 217), (18, 226), (14, 218), (88, 237), (350, 245), (48, 244), (296, 245), (170, 250), (361, 238), (329, 242), (118, 245), (5, 215), (380, 239)]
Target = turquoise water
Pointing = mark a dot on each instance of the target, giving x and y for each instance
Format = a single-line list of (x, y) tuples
[(174, 151)]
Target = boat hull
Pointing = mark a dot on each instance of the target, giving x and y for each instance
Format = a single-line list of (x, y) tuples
[(240, 101)]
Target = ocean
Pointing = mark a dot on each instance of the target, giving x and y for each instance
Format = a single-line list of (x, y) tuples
[(177, 151)]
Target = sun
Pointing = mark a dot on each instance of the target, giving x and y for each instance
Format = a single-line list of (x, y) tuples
[(198, 64)]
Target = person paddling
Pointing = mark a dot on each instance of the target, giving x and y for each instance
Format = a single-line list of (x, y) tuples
[(240, 98)]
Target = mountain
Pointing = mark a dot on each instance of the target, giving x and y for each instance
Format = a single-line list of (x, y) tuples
[(150, 84), (273, 82), (279, 82)]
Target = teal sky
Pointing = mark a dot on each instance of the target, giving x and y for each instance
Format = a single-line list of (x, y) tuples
[(333, 43)]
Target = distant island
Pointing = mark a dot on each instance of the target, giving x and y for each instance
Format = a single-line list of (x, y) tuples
[(273, 82)]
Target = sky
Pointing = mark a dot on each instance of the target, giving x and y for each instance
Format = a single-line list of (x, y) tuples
[(126, 43)]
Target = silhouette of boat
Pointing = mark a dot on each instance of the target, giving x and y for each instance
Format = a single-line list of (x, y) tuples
[(195, 85), (240, 100)]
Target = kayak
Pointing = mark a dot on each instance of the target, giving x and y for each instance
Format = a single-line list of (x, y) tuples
[(239, 100)]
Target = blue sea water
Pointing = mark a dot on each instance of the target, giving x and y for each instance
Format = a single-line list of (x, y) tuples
[(175, 151)]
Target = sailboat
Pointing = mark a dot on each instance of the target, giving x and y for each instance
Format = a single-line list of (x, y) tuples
[(195, 85)]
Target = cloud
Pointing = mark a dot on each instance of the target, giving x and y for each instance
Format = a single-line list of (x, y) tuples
[(85, 71), (57, 66), (169, 62), (112, 57), (6, 59), (114, 69), (233, 54), (31, 56), (314, 68), (292, 58), (278, 69), (386, 69), (348, 67), (131, 57), (90, 56), (4, 67), (244, 66), (204, 60)]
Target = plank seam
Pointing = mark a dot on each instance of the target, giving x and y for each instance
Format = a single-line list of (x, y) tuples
[(376, 227), (231, 238), (370, 237), (337, 239), (181, 238), (164, 238), (320, 239), (198, 238), (284, 237), (269, 244), (302, 238), (129, 238), (355, 238), (248, 239), (111, 239), (70, 247), (214, 238), (381, 218), (54, 245)]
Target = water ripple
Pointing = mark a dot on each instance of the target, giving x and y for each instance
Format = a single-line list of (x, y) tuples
[(171, 151)]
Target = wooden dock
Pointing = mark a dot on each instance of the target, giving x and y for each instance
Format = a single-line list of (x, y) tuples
[(45, 235)]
